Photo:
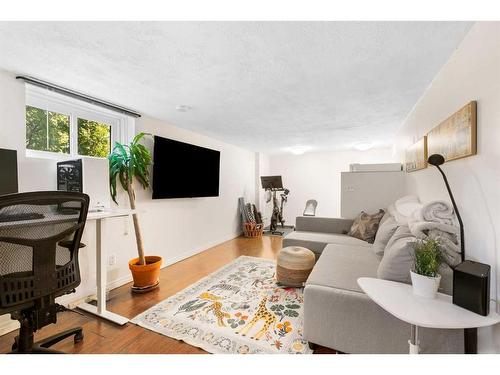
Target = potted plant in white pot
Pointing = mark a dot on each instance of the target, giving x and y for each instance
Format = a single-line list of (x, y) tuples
[(126, 163), (427, 260)]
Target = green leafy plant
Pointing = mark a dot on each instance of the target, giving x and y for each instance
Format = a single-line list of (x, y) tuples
[(427, 257), (127, 162)]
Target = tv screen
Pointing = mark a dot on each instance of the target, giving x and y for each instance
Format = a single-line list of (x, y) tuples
[(8, 171), (182, 170)]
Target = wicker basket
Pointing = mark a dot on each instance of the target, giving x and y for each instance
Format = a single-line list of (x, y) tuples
[(252, 229)]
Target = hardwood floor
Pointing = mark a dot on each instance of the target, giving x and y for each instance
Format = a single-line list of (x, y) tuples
[(105, 337)]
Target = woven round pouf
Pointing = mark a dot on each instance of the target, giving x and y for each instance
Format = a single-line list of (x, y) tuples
[(294, 265)]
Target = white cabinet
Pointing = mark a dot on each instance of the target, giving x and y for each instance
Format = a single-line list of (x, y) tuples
[(369, 191)]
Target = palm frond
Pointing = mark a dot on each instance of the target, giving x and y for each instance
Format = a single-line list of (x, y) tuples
[(127, 162)]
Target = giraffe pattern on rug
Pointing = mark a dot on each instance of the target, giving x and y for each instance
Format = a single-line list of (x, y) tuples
[(262, 313), (237, 309)]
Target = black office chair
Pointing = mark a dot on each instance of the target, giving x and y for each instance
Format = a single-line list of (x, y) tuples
[(40, 235)]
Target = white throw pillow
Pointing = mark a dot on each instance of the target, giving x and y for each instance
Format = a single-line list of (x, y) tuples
[(398, 256), (385, 232)]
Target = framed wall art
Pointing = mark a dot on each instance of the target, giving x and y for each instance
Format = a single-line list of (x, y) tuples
[(416, 156), (455, 137)]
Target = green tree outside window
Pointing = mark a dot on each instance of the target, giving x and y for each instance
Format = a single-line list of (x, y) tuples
[(50, 131), (94, 138), (47, 131)]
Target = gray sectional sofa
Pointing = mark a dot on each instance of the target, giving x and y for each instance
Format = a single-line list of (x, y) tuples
[(337, 314)]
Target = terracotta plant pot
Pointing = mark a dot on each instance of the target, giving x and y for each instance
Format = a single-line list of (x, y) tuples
[(145, 276)]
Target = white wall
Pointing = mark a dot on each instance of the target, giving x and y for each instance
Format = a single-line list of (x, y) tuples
[(262, 169), (472, 73), (177, 228), (174, 229), (317, 176)]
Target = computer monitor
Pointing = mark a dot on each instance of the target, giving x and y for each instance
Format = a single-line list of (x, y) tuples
[(271, 182), (8, 171)]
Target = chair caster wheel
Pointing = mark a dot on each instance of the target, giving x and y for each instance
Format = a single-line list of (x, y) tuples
[(78, 337)]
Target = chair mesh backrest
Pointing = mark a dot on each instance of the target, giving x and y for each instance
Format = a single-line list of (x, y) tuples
[(33, 264)]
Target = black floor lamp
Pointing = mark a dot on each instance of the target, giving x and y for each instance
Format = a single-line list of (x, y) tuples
[(437, 160), (471, 280)]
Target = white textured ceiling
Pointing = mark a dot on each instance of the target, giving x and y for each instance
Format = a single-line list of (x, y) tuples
[(265, 86)]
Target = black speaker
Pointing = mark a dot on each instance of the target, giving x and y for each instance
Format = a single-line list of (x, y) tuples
[(471, 286), (69, 176)]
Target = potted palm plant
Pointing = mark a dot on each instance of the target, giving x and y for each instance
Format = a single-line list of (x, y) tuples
[(126, 163), (427, 260)]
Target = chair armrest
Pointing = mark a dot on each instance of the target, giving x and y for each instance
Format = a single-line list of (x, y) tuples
[(68, 244), (322, 224)]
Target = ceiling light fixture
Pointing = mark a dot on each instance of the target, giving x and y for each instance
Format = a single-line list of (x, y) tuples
[(299, 150), (183, 108), (362, 146)]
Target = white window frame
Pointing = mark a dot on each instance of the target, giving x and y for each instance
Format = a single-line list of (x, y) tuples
[(122, 126)]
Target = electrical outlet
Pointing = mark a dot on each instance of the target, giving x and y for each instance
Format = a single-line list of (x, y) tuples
[(112, 260)]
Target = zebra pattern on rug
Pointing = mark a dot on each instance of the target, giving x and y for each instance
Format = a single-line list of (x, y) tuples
[(237, 309)]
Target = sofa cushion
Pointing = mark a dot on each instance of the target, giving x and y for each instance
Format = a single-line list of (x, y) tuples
[(365, 226), (341, 265), (316, 241), (398, 256), (384, 233)]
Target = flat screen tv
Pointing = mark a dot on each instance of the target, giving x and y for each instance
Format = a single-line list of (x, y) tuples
[(8, 171), (182, 170)]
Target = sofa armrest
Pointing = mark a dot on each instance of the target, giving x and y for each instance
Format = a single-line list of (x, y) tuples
[(322, 224)]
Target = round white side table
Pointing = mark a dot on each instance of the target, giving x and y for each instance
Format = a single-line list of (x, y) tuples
[(398, 299)]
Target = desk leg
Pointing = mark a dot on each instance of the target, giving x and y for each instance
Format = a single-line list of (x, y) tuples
[(470, 340), (100, 268), (100, 309), (413, 342)]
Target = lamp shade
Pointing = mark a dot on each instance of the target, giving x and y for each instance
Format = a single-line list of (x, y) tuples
[(436, 159)]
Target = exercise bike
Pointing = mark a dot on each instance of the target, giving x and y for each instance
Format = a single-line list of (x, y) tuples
[(272, 185)]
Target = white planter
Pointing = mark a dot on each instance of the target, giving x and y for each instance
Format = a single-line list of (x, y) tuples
[(425, 286)]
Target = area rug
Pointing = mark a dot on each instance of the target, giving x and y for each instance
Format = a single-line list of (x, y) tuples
[(237, 309)]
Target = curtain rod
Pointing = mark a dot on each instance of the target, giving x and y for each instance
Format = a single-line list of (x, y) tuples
[(77, 95)]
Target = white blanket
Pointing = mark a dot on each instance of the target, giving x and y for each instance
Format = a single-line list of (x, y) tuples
[(407, 205), (437, 211), (420, 228), (449, 246), (446, 234), (404, 207)]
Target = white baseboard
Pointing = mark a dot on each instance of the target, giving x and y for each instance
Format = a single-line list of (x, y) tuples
[(168, 262), (11, 325)]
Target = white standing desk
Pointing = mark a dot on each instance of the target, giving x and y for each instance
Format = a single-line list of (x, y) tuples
[(398, 299), (101, 256), (101, 262)]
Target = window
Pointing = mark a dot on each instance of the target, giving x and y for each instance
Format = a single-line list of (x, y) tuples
[(46, 130), (56, 125), (94, 138)]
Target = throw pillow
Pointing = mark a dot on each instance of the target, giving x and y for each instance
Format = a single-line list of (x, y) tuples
[(386, 216), (365, 226), (398, 256), (384, 233)]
